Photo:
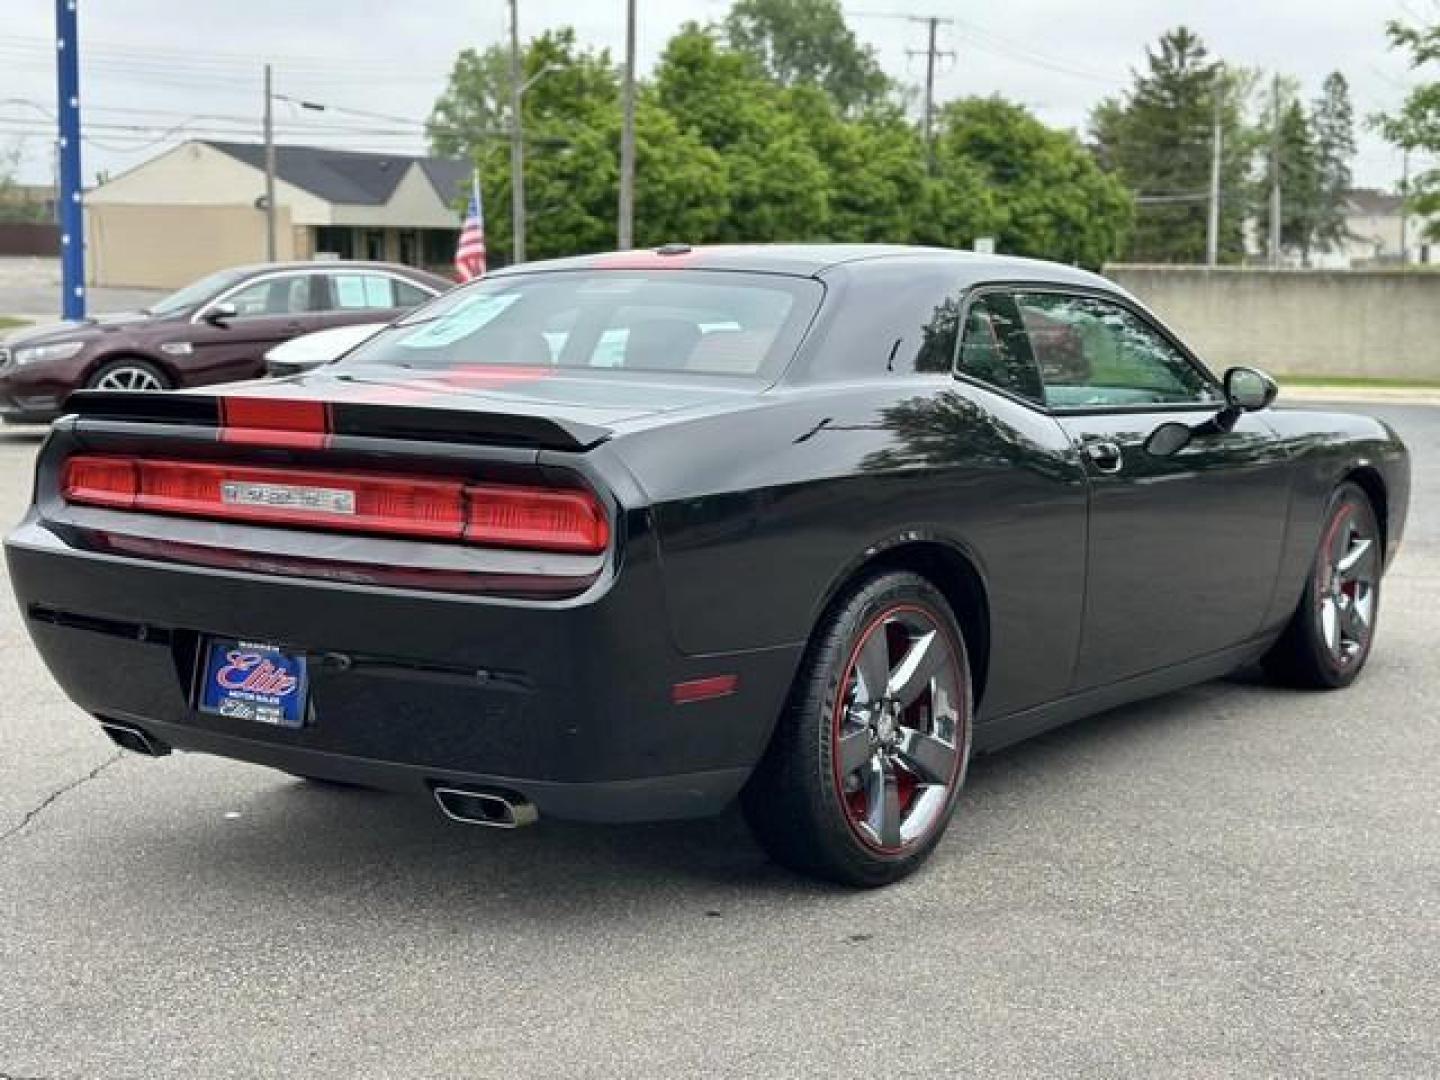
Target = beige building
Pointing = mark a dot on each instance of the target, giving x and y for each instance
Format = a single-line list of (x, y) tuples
[(1379, 228), (200, 207)]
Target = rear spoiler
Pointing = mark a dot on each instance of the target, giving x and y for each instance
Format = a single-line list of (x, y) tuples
[(279, 421)]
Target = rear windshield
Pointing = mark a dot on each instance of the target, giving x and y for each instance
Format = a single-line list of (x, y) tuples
[(703, 322)]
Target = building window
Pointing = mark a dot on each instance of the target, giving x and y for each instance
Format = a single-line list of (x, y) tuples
[(440, 246), (335, 242)]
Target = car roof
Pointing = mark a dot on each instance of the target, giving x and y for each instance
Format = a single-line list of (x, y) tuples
[(818, 260), (251, 269)]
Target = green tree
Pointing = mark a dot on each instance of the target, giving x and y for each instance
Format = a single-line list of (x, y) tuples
[(807, 42), (875, 168), (1301, 197), (778, 187), (572, 129), (15, 204), (1157, 138), (475, 104), (1417, 124), (1049, 198), (1332, 118)]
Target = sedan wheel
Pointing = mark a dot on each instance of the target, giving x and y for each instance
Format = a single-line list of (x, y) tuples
[(1328, 638), (126, 375), (862, 774)]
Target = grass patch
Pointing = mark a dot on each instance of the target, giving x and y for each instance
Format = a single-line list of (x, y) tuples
[(1357, 382), (9, 322)]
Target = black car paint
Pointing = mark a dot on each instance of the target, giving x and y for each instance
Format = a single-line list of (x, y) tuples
[(741, 511)]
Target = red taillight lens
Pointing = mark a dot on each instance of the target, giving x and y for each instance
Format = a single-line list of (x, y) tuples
[(100, 481), (530, 518), (488, 514)]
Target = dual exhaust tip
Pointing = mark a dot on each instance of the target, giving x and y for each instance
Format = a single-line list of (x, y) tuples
[(492, 809)]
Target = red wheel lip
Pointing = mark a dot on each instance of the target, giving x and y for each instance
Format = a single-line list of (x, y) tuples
[(963, 745)]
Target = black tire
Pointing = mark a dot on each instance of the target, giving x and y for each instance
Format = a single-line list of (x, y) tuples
[(1328, 639), (138, 371), (804, 807)]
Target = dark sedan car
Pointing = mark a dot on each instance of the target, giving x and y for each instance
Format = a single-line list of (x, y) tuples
[(215, 330), (625, 537)]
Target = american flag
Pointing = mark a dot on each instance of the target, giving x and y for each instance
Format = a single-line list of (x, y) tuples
[(470, 251)]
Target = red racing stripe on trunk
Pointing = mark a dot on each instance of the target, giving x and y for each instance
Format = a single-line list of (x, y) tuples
[(275, 422)]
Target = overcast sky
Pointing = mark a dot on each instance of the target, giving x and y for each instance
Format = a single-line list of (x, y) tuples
[(151, 66)]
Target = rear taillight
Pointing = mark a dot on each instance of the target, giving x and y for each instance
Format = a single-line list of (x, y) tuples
[(549, 519)]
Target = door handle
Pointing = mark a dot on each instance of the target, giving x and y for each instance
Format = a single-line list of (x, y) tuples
[(1104, 455)]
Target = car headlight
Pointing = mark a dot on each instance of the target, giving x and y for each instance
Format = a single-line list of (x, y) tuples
[(35, 354)]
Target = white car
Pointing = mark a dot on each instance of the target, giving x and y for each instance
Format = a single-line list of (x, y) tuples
[(311, 350)]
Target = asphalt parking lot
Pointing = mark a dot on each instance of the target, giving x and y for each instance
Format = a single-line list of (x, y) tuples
[(1229, 881)]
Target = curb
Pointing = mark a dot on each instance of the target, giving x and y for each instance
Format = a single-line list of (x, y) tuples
[(1376, 395)]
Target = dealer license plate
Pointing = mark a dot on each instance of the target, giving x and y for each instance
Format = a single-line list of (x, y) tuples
[(250, 681)]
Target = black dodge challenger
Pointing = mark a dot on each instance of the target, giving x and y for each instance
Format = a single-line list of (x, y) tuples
[(624, 537)]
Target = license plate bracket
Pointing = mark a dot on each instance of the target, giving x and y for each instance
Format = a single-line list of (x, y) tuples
[(247, 680)]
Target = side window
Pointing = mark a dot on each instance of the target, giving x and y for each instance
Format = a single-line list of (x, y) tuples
[(937, 338), (276, 296), (996, 350), (408, 295), (1093, 353), (359, 292)]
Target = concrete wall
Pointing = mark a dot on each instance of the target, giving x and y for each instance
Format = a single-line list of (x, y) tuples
[(1372, 324), (165, 247)]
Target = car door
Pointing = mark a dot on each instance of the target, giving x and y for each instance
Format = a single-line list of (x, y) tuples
[(365, 296), (268, 310), (1182, 550)]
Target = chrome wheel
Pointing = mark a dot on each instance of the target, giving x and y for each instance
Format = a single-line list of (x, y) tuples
[(1345, 587), (128, 377), (900, 729)]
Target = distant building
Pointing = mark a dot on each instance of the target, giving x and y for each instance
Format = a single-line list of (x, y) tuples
[(200, 206), (1373, 224), (1372, 238)]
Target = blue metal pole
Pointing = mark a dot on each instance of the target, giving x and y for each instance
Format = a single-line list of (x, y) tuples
[(72, 212)]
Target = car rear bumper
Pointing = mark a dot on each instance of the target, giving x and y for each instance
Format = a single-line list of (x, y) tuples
[(570, 704)]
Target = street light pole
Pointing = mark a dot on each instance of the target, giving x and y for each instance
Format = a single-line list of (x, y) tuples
[(517, 144), (72, 213), (626, 238), (269, 168)]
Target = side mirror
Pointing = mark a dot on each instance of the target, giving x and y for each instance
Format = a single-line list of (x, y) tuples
[(220, 314), (1169, 438), (1249, 390)]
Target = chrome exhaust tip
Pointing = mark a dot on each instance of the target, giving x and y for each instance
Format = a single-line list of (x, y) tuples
[(129, 737), (493, 809)]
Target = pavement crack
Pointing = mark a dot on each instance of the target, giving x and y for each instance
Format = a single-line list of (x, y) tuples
[(45, 804)]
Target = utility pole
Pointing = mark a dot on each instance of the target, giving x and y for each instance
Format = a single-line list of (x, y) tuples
[(1404, 209), (270, 255), (1275, 174), (517, 143), (1212, 225), (71, 208), (931, 52), (626, 237)]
